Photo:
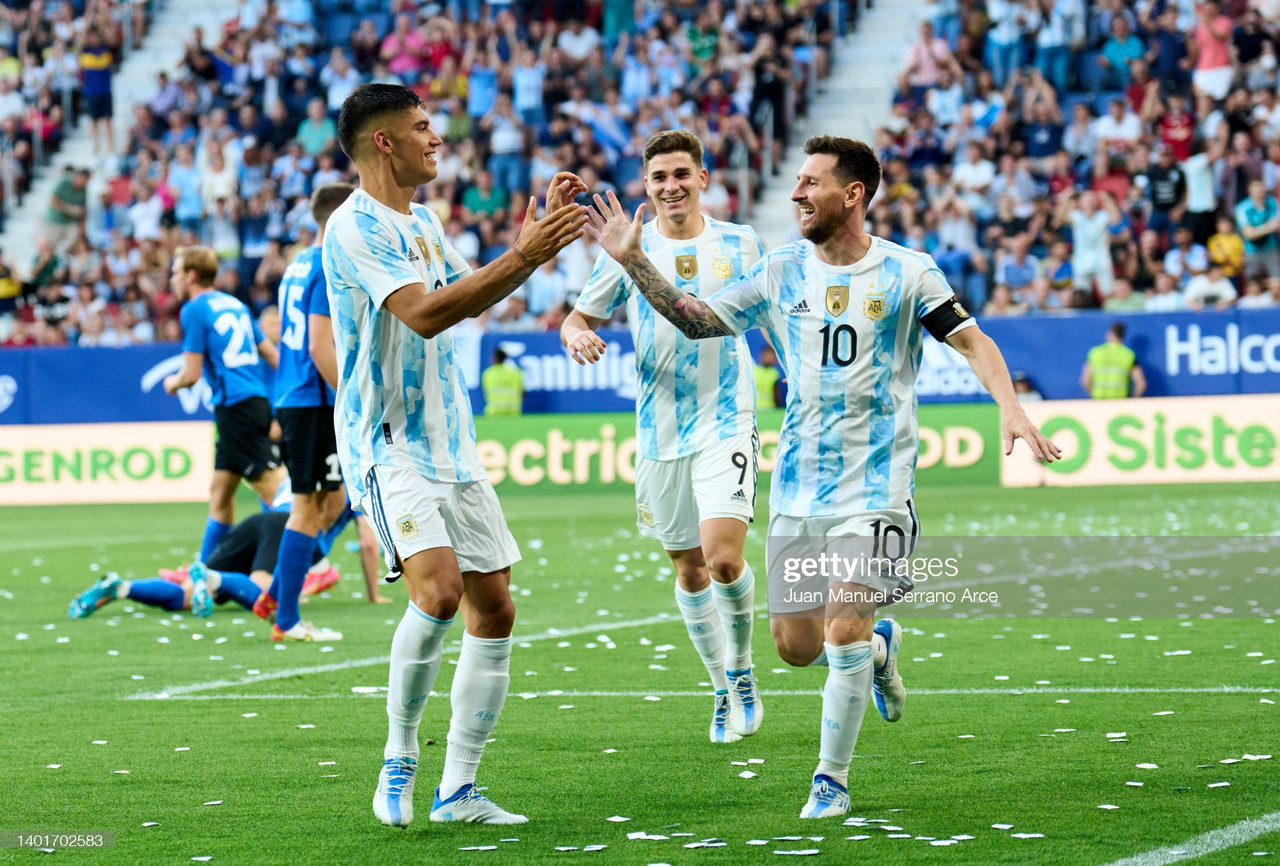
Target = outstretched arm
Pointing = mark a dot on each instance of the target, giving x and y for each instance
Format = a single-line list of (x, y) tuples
[(984, 357), (620, 238)]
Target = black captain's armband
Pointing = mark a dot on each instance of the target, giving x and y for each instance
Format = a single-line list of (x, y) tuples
[(945, 318)]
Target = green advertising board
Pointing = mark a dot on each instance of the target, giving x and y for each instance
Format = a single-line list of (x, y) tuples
[(959, 444)]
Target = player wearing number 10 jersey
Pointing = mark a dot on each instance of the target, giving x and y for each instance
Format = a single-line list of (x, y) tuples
[(221, 339), (695, 421), (846, 312)]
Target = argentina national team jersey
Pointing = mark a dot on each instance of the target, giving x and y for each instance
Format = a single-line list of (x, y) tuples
[(219, 327), (692, 393), (850, 341), (302, 293), (401, 399)]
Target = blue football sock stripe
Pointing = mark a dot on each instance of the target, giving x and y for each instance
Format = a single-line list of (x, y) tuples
[(239, 588), (214, 531), (157, 593), (292, 563)]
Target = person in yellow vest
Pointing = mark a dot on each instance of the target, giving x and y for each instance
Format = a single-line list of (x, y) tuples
[(503, 386), (768, 379), (1111, 367)]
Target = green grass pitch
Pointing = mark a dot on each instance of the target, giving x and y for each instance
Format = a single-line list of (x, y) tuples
[(291, 750)]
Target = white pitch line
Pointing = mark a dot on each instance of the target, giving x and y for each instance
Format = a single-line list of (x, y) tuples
[(103, 541), (703, 693), (1206, 843), (373, 661)]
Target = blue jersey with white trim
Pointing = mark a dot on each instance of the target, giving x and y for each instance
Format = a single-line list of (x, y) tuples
[(302, 293), (401, 399), (850, 341), (219, 327), (692, 393)]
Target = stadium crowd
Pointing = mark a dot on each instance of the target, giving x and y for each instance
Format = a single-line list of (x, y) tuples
[(231, 144), (1055, 156)]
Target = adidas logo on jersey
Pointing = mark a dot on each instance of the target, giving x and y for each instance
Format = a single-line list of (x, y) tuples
[(800, 308), (739, 496), (413, 257)]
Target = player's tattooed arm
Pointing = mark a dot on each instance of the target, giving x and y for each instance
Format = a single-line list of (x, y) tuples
[(687, 312), (517, 280), (619, 236)]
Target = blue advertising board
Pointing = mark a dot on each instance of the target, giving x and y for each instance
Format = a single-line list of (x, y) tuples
[(1182, 354)]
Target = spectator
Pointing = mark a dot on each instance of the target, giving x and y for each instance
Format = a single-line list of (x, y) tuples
[(1210, 289), (1165, 298), (1254, 298), (927, 58), (1124, 299), (1187, 258), (1118, 53), (1259, 219), (96, 62), (65, 217), (1023, 387), (1091, 252), (1002, 303), (317, 133), (1210, 49)]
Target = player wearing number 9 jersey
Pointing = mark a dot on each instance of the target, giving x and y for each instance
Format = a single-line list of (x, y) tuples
[(221, 339), (846, 312), (695, 421)]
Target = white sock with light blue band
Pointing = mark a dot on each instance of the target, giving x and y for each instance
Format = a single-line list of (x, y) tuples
[(735, 602), (844, 703), (702, 621), (416, 650), (478, 693)]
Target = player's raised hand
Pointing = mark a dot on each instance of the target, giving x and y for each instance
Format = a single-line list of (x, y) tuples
[(617, 234), (563, 189), (540, 239), (586, 348), (1016, 425)]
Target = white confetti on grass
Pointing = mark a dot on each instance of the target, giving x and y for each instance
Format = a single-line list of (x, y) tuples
[(53, 766), (1134, 784), (1108, 806), (182, 749), (306, 727), (617, 819), (213, 803), (1147, 766), (802, 852), (1218, 785), (249, 715), (746, 774), (1163, 713), (121, 772), (150, 823), (1001, 826)]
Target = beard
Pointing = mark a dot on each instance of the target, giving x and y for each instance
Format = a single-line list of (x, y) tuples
[(822, 229)]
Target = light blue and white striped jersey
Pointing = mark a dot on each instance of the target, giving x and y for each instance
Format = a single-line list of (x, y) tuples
[(692, 393), (402, 400), (850, 340)]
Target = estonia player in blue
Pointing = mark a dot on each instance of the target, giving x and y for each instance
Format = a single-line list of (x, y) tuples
[(695, 421), (221, 339), (846, 312), (406, 438), (304, 408)]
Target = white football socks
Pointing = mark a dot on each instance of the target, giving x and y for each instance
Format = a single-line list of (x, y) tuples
[(706, 631), (478, 692), (415, 661), (844, 703), (735, 602)]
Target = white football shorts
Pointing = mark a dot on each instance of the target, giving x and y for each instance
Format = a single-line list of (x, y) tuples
[(411, 514), (674, 496)]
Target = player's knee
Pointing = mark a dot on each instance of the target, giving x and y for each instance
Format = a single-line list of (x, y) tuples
[(497, 619), (795, 648), (440, 602), (725, 566)]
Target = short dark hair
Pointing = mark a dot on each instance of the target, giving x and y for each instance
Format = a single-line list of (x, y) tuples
[(855, 162), (673, 141), (1118, 329), (499, 355), (367, 103), (326, 199)]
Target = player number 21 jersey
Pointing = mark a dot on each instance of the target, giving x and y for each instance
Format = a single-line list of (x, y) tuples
[(850, 341), (691, 393)]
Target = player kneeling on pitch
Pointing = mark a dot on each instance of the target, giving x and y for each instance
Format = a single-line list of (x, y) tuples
[(845, 311)]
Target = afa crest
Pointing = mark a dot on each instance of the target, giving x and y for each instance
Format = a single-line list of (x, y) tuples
[(873, 308), (837, 299), (645, 515), (959, 308), (407, 527), (687, 267), (435, 245), (722, 268)]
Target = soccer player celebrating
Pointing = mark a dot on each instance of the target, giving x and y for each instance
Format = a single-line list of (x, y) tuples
[(220, 338), (845, 311), (406, 439), (695, 421), (304, 408)]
